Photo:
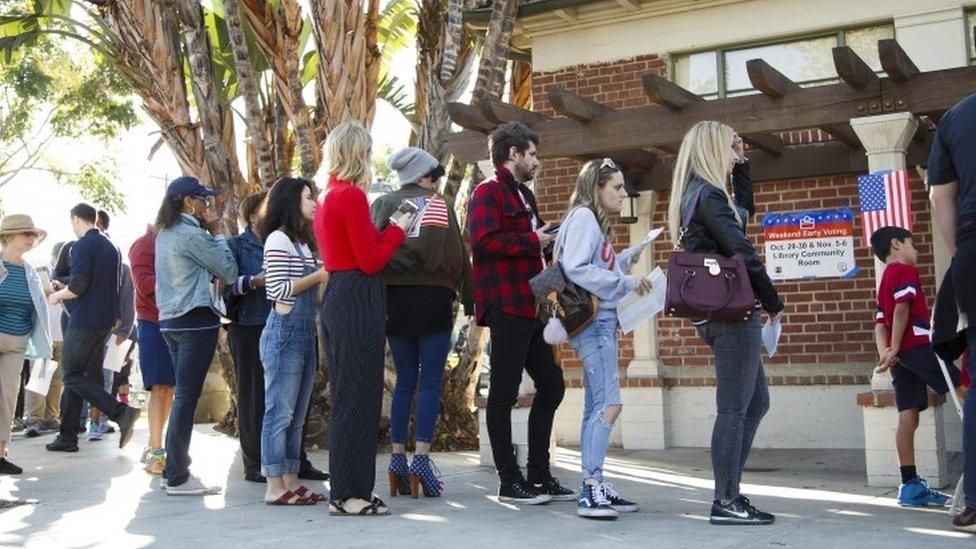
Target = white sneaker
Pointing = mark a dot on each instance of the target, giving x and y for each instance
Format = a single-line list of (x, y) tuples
[(192, 487)]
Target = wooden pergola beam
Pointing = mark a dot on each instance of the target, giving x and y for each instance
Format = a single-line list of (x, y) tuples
[(852, 69), (768, 80), (630, 5), (796, 161), (575, 106), (813, 107), (662, 91), (469, 117), (895, 62), (498, 112), (767, 142), (634, 158)]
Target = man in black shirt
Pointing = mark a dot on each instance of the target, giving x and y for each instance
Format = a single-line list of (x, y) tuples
[(94, 291), (952, 177)]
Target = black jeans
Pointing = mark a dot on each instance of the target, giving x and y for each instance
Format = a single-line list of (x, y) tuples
[(517, 343), (243, 342), (82, 356)]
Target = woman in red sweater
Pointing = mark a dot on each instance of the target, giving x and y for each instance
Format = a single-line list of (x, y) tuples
[(354, 317)]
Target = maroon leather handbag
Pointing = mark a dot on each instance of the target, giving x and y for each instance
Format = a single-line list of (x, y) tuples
[(707, 286)]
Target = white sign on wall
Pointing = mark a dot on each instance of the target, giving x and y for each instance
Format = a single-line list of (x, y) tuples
[(811, 244)]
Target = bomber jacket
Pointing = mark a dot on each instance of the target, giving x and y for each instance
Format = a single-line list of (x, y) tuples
[(714, 229), (437, 257)]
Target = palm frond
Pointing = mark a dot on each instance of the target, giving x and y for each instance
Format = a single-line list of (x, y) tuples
[(391, 90)]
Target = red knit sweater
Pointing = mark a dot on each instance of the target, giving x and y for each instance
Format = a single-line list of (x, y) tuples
[(346, 236)]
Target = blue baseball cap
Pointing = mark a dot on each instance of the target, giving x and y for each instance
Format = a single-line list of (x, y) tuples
[(188, 186)]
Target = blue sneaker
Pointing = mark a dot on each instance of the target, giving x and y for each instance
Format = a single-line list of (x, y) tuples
[(916, 493), (618, 503), (593, 503), (94, 431)]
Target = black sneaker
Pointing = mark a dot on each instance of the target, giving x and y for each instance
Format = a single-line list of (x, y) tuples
[(618, 503), (254, 476), (32, 429), (556, 491), (593, 503), (7, 468), (309, 472), (521, 493), (763, 515), (965, 521), (61, 445), (736, 513), (127, 422)]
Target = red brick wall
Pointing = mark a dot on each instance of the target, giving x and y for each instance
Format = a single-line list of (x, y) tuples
[(827, 321)]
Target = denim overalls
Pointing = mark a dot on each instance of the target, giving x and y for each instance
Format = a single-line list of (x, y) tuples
[(288, 353)]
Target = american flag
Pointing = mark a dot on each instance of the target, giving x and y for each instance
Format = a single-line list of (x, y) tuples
[(435, 215), (886, 200)]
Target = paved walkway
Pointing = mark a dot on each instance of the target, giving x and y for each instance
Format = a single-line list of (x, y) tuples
[(101, 497)]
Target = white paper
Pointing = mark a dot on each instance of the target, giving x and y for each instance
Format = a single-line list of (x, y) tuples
[(770, 335), (651, 236), (40, 376), (114, 355), (414, 230), (633, 309)]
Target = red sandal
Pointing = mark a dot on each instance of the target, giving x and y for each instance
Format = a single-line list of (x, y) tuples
[(310, 495), (290, 498)]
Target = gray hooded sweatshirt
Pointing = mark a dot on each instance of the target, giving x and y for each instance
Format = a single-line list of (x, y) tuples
[(589, 260)]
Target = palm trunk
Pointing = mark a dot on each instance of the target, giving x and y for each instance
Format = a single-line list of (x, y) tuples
[(256, 133)]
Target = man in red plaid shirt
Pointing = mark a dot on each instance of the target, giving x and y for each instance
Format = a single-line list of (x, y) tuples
[(508, 239)]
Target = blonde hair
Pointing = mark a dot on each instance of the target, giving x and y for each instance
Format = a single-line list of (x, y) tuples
[(593, 177), (706, 152), (347, 154)]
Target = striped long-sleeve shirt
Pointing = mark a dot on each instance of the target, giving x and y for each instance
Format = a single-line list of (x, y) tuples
[(283, 264)]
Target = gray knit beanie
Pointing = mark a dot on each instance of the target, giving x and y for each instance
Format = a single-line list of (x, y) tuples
[(411, 164)]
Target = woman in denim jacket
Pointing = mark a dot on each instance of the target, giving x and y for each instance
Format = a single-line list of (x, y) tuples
[(591, 263), (191, 254)]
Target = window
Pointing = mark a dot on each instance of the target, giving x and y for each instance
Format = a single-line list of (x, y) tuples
[(807, 61), (971, 34)]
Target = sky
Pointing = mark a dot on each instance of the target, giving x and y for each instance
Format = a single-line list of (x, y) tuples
[(142, 180)]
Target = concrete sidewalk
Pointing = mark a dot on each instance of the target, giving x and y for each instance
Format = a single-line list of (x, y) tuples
[(100, 496)]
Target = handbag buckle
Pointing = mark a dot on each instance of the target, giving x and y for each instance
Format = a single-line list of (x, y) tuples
[(713, 268)]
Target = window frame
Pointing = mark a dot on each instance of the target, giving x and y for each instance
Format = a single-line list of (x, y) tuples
[(722, 91)]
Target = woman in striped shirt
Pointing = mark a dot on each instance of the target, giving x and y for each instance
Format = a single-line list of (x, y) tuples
[(288, 342), (24, 329)]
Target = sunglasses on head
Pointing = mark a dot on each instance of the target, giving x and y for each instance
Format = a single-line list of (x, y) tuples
[(608, 163)]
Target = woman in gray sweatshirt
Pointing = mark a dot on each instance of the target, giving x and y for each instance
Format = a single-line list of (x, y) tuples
[(591, 263)]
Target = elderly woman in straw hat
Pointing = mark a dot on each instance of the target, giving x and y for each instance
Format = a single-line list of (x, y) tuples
[(24, 328)]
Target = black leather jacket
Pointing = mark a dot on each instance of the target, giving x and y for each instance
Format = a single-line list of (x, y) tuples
[(714, 229)]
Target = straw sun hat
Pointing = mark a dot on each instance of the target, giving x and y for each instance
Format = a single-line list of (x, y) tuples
[(21, 223)]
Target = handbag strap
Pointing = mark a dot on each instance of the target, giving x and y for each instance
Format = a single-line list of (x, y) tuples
[(686, 220)]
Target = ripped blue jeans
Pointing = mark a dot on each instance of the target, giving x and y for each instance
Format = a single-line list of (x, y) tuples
[(596, 346)]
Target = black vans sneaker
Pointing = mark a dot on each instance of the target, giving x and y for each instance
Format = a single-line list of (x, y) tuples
[(593, 503), (521, 493), (737, 512), (618, 503), (557, 491)]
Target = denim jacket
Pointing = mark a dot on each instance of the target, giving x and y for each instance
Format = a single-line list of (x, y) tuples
[(39, 339), (188, 258), (254, 306)]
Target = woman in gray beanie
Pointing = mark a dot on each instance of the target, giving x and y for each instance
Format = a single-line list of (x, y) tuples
[(423, 280)]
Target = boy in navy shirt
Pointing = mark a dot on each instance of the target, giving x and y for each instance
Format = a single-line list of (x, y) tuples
[(903, 337)]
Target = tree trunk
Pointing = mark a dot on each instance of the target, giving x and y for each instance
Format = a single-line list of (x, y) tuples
[(256, 133), (349, 60)]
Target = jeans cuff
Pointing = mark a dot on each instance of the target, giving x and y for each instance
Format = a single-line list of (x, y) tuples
[(293, 466), (273, 470)]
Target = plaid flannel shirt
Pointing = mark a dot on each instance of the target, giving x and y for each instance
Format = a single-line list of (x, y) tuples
[(505, 250)]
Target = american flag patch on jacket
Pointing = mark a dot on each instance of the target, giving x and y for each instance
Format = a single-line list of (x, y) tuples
[(435, 214)]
